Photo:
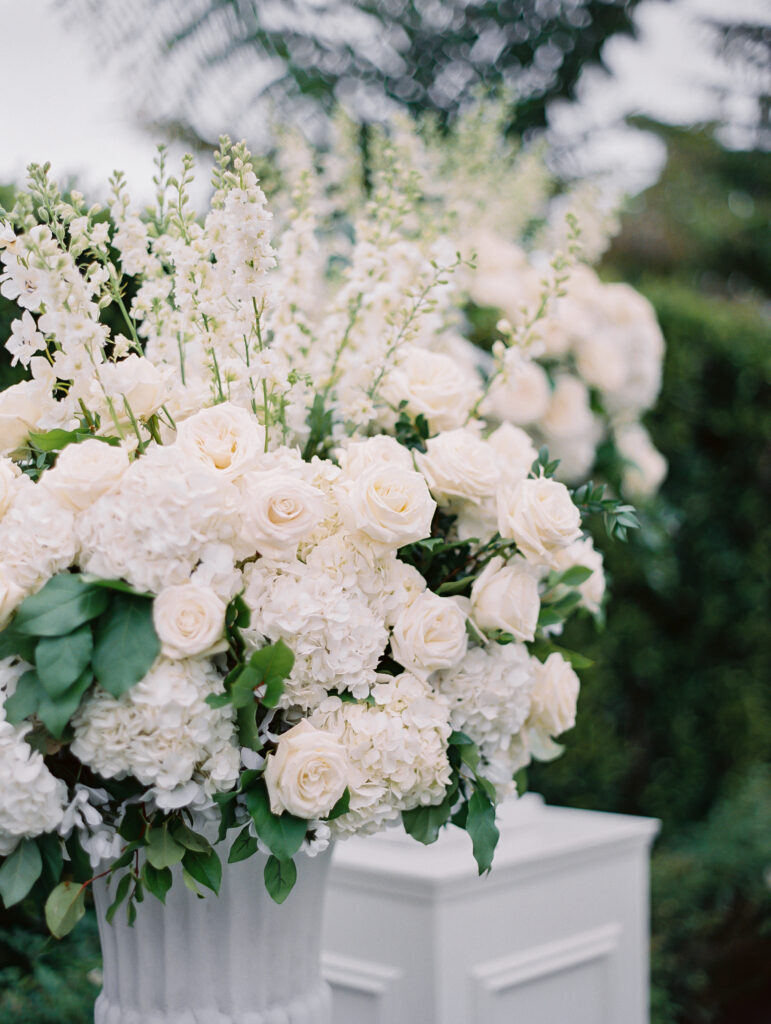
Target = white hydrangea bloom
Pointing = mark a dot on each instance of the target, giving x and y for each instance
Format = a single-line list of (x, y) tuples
[(397, 751), (162, 731), (32, 800)]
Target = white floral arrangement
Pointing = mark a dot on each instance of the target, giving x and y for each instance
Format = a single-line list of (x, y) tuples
[(268, 576), (595, 349)]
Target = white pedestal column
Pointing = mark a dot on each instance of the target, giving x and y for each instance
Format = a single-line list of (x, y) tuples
[(556, 934)]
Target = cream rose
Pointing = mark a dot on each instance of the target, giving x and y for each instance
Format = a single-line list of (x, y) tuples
[(432, 384), (521, 395), (9, 474), (359, 455), (515, 452), (84, 472), (458, 464), (225, 438), (645, 467), (308, 773), (137, 381), (430, 634), (189, 620), (282, 509), (540, 516), (21, 407), (390, 506), (555, 696), (11, 596), (506, 597), (569, 412)]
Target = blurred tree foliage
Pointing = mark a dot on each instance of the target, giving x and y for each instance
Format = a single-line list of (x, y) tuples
[(369, 54)]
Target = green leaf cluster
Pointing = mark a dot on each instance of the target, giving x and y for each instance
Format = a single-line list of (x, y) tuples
[(617, 516), (74, 631)]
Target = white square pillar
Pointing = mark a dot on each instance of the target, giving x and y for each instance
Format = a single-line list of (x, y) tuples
[(556, 934)]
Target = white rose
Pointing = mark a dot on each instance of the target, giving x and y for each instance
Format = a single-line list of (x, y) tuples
[(21, 408), (600, 360), (569, 412), (583, 553), (84, 472), (458, 464), (433, 385), (359, 455), (506, 597), (11, 596), (555, 696), (646, 467), (282, 509), (521, 395), (225, 438), (308, 773), (9, 474), (143, 385), (388, 505), (515, 452), (430, 634), (189, 620), (540, 516)]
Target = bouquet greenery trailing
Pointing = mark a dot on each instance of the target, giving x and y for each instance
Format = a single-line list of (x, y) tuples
[(273, 569)]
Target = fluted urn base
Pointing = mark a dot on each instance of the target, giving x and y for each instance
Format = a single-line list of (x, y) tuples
[(236, 958)]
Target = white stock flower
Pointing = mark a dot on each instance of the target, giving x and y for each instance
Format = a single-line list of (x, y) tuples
[(189, 620), (432, 384), (389, 505), (308, 772), (84, 472), (225, 438), (540, 516), (555, 696), (429, 634), (281, 510), (506, 597), (458, 464)]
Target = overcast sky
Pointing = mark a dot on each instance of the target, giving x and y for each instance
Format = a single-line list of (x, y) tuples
[(62, 104)]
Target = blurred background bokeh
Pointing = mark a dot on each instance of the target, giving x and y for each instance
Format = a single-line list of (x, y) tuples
[(670, 103)]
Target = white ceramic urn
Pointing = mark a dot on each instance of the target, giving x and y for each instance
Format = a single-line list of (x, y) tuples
[(236, 958)]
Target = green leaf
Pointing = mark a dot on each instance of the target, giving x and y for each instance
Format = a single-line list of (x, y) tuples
[(205, 868), (13, 643), (162, 850), (61, 660), (120, 894), (24, 702), (189, 881), (458, 738), (247, 727), (244, 845), (283, 834), (342, 805), (455, 586), (80, 865), (567, 603), (55, 714), (64, 908), (120, 585), (188, 838), (280, 877), (273, 663), (126, 643), (238, 614), (157, 880), (133, 823), (480, 825), (424, 823), (50, 847), (63, 604), (574, 576), (218, 700), (19, 872), (548, 617)]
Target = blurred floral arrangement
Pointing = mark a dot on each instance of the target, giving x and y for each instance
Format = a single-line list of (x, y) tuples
[(271, 558)]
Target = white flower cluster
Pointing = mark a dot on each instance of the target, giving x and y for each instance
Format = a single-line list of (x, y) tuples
[(254, 465)]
